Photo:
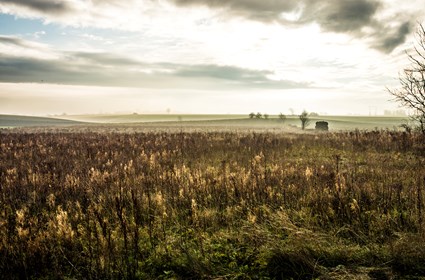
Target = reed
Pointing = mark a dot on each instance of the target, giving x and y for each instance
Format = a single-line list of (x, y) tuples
[(207, 205)]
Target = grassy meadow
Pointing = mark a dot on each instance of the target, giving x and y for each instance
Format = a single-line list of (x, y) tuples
[(335, 122), (123, 204), (144, 118), (166, 122), (8, 121)]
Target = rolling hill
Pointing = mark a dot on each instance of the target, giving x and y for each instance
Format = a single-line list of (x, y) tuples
[(31, 121), (336, 123)]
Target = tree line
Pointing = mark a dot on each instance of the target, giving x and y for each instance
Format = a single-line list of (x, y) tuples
[(304, 117)]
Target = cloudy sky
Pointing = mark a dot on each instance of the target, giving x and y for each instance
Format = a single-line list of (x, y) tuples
[(203, 56)]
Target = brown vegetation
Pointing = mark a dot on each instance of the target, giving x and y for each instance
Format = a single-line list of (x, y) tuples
[(211, 205)]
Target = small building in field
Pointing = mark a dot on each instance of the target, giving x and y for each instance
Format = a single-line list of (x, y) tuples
[(322, 125)]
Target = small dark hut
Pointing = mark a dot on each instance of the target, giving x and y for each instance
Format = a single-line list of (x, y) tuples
[(322, 125)]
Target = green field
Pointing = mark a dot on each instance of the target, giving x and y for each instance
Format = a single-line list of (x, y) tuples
[(137, 118), (211, 122), (30, 121)]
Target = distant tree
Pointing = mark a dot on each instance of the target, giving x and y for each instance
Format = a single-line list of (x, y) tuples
[(411, 93), (266, 116), (313, 114), (251, 115), (258, 115), (304, 118), (282, 117)]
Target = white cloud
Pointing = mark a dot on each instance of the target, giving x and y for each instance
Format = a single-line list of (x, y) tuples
[(157, 39), (39, 34), (363, 19)]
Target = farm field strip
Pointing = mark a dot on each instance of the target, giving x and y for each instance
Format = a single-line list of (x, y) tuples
[(336, 123)]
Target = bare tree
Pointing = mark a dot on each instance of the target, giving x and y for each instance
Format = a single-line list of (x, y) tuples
[(304, 118), (411, 92), (258, 115), (282, 117)]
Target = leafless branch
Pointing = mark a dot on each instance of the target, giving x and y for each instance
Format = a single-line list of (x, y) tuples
[(411, 92)]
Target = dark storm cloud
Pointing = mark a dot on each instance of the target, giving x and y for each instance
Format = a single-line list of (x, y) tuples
[(72, 71), (266, 10), (44, 6), (340, 16), (333, 15), (110, 70), (23, 70), (393, 37)]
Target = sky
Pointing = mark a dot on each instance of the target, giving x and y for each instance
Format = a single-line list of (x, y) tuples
[(332, 57)]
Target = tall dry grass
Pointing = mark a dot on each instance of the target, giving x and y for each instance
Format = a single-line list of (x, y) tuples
[(204, 205)]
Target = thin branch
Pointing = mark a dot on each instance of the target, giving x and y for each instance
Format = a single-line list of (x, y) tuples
[(411, 92)]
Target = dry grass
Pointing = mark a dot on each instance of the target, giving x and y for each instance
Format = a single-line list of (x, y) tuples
[(211, 205)]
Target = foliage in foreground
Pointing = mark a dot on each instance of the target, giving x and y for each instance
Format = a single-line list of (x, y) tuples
[(211, 205)]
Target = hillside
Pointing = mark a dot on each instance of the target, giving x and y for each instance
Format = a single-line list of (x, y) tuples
[(199, 122), (336, 123), (26, 121)]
